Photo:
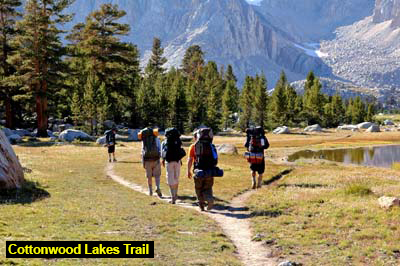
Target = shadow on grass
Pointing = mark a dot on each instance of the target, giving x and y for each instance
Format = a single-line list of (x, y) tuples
[(37, 144), (277, 177), (266, 213), (29, 193)]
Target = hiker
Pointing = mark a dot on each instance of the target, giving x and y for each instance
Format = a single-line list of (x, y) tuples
[(203, 155), (110, 143), (151, 152), (172, 154), (256, 143)]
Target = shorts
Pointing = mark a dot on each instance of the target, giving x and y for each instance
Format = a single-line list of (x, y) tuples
[(111, 149), (153, 168), (259, 168), (173, 172)]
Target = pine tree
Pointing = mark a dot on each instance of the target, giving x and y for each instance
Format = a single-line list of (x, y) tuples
[(292, 109), (247, 103), (314, 103), (193, 61), (358, 113), (157, 60), (8, 18), (213, 114), (229, 75), (371, 111), (278, 105), (229, 103), (97, 42), (39, 58), (179, 103), (260, 100)]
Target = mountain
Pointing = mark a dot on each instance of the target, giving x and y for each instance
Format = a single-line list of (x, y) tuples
[(387, 10), (353, 41)]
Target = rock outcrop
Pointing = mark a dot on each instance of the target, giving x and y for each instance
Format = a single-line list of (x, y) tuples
[(387, 10), (11, 172), (374, 128), (388, 202), (281, 130), (229, 149), (70, 135), (313, 128)]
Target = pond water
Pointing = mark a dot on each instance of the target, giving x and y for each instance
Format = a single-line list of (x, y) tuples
[(381, 156)]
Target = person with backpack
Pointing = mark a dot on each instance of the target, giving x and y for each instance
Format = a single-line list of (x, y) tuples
[(203, 155), (151, 153), (172, 154), (110, 143), (256, 143)]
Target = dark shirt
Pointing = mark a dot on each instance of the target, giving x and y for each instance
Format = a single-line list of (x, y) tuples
[(110, 137)]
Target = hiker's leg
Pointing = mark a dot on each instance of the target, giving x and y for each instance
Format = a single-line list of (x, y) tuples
[(114, 157), (261, 171), (253, 176), (157, 175), (149, 175), (260, 177), (208, 191), (177, 174), (198, 184)]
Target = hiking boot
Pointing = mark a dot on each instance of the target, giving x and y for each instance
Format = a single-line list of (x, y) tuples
[(109, 160), (201, 205), (150, 192), (115, 160), (158, 191), (259, 185), (210, 205), (253, 186)]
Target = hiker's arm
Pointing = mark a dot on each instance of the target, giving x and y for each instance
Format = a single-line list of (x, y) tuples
[(189, 171)]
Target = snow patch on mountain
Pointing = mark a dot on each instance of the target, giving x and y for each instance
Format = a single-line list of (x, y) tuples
[(312, 49)]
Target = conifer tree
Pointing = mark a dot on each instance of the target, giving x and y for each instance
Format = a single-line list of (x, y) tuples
[(229, 75), (314, 103), (193, 61), (97, 42), (292, 109), (260, 100), (371, 111), (229, 103), (8, 18), (278, 105), (39, 59), (157, 60), (179, 103), (213, 114), (246, 103)]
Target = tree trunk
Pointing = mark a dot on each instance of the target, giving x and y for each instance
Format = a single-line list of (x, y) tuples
[(9, 113)]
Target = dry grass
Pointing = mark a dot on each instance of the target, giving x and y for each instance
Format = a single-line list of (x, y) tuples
[(85, 205)]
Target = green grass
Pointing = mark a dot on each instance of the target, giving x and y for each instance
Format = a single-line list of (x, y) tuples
[(329, 215), (70, 198)]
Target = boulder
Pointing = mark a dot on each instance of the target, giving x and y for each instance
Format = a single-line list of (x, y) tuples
[(374, 128), (388, 122), (72, 134), (313, 128), (8, 132), (365, 125), (11, 172), (133, 134), (101, 140), (388, 202), (54, 138), (23, 132), (347, 127), (15, 138), (281, 130), (229, 149), (49, 133)]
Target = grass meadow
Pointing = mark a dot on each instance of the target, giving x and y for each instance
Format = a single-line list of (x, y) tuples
[(319, 212)]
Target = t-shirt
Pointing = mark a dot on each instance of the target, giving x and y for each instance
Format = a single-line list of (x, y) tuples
[(192, 152)]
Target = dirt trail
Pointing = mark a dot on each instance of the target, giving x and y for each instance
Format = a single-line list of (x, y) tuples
[(232, 219)]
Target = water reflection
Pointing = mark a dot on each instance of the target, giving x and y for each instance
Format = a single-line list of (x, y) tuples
[(383, 156)]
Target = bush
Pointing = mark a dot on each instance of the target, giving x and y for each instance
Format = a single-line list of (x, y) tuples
[(358, 190)]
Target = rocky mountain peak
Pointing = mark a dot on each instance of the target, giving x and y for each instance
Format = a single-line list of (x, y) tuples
[(387, 10)]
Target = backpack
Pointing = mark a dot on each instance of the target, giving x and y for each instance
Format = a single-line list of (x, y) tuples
[(150, 149), (206, 153), (172, 150), (256, 140), (110, 137)]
